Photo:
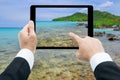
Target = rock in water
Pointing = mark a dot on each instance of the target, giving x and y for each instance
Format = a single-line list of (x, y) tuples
[(113, 37), (99, 34)]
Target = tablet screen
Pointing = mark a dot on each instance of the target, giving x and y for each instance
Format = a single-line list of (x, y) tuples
[(54, 24)]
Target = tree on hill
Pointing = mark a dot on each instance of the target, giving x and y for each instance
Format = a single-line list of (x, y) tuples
[(101, 19), (105, 19), (74, 17)]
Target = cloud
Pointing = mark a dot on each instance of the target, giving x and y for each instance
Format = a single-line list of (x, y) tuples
[(105, 5)]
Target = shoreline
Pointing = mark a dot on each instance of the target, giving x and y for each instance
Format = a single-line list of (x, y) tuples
[(109, 28)]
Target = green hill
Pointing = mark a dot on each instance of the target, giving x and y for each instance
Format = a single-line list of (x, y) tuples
[(74, 17), (105, 19), (101, 19)]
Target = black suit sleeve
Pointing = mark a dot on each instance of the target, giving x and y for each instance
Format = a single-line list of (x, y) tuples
[(107, 71), (18, 70)]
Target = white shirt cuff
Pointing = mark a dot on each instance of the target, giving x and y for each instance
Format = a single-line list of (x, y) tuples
[(27, 55), (99, 58)]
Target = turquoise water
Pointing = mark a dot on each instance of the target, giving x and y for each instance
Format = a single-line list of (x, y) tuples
[(57, 23), (55, 33), (9, 38), (52, 25), (63, 26)]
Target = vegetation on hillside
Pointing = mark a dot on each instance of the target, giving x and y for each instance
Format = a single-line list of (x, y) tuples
[(74, 17), (101, 19), (105, 19)]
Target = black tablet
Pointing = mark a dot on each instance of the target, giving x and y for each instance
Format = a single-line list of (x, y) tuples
[(54, 22)]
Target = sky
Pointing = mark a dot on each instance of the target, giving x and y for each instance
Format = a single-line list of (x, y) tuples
[(48, 14), (16, 13)]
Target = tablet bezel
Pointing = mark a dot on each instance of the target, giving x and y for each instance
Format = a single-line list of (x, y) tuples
[(90, 19)]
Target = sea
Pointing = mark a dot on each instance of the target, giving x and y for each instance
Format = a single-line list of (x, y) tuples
[(55, 33), (51, 60), (9, 39), (9, 36), (109, 31), (58, 26)]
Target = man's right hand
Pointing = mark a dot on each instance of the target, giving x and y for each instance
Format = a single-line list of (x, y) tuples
[(27, 37), (87, 46)]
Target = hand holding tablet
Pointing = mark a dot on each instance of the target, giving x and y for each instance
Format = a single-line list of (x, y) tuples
[(54, 22)]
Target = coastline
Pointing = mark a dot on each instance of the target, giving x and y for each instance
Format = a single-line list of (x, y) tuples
[(109, 33)]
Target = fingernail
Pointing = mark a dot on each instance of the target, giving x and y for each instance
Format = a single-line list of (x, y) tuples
[(30, 21), (70, 33)]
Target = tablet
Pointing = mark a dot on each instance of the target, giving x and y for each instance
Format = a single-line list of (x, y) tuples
[(54, 22)]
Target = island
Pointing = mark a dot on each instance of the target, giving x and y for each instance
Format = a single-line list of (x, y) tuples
[(101, 19), (78, 16)]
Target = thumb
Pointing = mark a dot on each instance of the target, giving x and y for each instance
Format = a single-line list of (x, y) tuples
[(31, 27), (75, 37)]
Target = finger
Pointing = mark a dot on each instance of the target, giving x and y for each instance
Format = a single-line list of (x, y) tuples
[(78, 54), (31, 27), (24, 30), (75, 37)]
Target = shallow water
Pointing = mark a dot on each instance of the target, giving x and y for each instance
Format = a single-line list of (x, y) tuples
[(107, 31), (55, 33), (9, 39), (53, 64)]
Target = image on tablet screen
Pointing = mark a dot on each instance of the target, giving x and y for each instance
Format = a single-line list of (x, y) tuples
[(54, 24)]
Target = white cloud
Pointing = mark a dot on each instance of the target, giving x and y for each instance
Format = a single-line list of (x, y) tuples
[(105, 5)]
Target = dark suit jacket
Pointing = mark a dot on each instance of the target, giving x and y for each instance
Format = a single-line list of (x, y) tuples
[(107, 71), (18, 70)]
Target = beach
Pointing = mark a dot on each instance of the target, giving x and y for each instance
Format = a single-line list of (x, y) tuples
[(53, 64)]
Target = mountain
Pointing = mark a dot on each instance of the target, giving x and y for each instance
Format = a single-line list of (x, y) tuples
[(105, 19), (74, 17), (101, 19)]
